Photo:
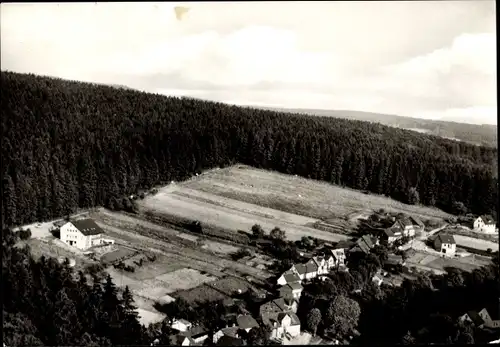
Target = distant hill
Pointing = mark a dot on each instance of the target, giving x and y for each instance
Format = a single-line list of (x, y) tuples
[(483, 134)]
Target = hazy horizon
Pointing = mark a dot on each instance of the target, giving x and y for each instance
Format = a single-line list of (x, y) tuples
[(429, 60)]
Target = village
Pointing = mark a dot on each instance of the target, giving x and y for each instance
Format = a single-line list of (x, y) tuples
[(406, 240)]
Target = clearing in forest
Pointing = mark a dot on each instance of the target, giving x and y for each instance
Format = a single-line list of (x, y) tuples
[(237, 197)]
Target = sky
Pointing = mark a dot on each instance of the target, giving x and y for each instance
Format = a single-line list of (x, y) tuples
[(424, 59)]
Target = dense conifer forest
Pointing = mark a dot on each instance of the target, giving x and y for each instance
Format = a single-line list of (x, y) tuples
[(68, 144)]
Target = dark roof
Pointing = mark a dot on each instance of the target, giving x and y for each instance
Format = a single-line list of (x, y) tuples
[(405, 221), (230, 331), (177, 339), (301, 268), (475, 318), (389, 232), (229, 341), (87, 227), (446, 238), (417, 221), (295, 285), (363, 245), (487, 219), (290, 278), (246, 322), (198, 331), (343, 244), (311, 266), (394, 259), (293, 316), (283, 304)]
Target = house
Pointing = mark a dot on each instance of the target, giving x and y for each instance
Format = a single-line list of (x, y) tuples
[(282, 304), (282, 324), (229, 331), (445, 244), (288, 277), (484, 224), (394, 260), (82, 234), (291, 290), (181, 325), (181, 340), (338, 255), (365, 244), (323, 268), (301, 270), (410, 225), (198, 333), (481, 319), (311, 269), (246, 322), (392, 234)]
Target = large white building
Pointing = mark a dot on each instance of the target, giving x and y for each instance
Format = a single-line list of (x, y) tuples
[(485, 224), (82, 234)]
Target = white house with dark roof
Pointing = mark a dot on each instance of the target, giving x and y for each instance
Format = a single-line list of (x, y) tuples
[(288, 277), (291, 290), (484, 224), (322, 264), (445, 244), (82, 234)]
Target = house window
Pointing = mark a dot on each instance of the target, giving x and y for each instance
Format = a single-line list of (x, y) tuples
[(444, 250)]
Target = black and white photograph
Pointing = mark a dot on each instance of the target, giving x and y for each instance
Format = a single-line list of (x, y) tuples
[(249, 173)]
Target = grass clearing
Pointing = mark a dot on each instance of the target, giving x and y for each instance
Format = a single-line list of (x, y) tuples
[(475, 243), (294, 194), (218, 247), (202, 293), (168, 202), (184, 279)]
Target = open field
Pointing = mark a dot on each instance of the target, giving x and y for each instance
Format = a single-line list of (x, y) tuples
[(184, 279), (424, 260), (200, 294), (475, 243), (297, 195), (218, 247), (168, 201)]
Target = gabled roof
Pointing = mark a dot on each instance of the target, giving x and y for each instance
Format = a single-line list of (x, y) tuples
[(417, 221), (311, 266), (446, 238), (405, 221), (87, 227), (318, 260), (230, 331), (246, 322), (389, 232), (343, 244), (179, 338), (475, 318), (295, 285), (293, 317), (284, 304), (394, 259), (301, 269), (487, 219), (198, 331), (291, 278)]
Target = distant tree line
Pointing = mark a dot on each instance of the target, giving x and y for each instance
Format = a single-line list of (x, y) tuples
[(69, 144)]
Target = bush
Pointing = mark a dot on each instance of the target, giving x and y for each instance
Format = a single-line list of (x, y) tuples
[(24, 234)]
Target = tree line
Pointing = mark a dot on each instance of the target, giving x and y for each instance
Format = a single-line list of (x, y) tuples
[(69, 144), (47, 303)]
